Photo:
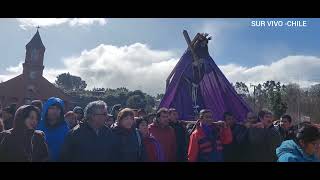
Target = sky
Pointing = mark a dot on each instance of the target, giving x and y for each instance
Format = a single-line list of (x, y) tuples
[(140, 53)]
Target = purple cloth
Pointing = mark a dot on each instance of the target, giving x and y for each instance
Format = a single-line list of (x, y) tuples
[(215, 91)]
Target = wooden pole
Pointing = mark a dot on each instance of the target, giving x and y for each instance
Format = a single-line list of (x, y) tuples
[(187, 38)]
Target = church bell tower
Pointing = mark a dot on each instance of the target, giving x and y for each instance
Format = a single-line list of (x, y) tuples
[(33, 65)]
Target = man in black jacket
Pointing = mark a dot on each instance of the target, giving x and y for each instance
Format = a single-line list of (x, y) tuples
[(91, 141), (285, 128), (180, 132), (236, 151), (263, 139)]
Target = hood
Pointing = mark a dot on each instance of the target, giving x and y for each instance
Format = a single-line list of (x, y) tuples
[(50, 102), (20, 117), (291, 147)]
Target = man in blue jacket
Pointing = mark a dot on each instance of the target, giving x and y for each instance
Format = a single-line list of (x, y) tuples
[(54, 126)]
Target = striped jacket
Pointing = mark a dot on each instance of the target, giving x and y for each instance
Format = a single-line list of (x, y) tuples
[(206, 145)]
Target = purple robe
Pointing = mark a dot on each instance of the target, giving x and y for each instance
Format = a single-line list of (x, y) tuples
[(215, 92)]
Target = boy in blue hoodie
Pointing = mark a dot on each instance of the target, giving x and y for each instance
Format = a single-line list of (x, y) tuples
[(54, 126), (301, 149)]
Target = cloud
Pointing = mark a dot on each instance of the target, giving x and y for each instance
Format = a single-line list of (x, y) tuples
[(87, 21), (47, 22), (15, 69), (216, 27), (138, 66), (303, 70), (12, 71)]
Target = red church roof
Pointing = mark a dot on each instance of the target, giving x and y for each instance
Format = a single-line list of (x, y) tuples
[(18, 86)]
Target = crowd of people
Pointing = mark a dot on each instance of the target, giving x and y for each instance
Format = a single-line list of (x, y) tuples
[(44, 132)]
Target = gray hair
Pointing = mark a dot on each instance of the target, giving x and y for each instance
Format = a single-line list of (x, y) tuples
[(92, 107)]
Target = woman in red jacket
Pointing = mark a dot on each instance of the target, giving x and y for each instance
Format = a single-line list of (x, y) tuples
[(206, 142), (152, 147)]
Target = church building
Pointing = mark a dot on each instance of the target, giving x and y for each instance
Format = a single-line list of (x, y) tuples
[(31, 85)]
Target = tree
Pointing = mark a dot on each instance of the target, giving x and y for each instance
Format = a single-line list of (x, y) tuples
[(136, 92), (274, 100), (291, 95), (150, 103), (68, 82), (111, 100), (311, 102), (122, 98), (159, 96), (242, 89), (136, 102), (315, 90), (122, 90), (260, 97), (98, 89)]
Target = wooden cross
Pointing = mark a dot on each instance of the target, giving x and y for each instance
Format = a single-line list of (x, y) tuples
[(190, 44), (195, 60), (196, 63)]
